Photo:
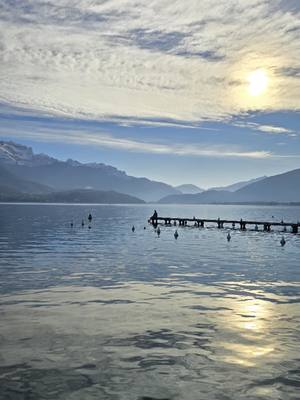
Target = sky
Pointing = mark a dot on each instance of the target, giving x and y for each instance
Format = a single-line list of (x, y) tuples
[(204, 92)]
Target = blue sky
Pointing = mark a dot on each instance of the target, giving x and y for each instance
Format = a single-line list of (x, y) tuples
[(204, 93)]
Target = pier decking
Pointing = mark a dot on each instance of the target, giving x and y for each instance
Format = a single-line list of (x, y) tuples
[(220, 223)]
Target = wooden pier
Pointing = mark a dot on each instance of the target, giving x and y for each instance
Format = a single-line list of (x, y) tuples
[(220, 223)]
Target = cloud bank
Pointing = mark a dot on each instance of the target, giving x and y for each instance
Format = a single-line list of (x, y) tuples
[(157, 60)]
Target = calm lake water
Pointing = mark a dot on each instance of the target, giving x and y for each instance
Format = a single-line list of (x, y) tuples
[(107, 313)]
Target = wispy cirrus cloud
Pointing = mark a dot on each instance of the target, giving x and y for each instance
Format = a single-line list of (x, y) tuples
[(162, 60), (270, 129), (102, 139)]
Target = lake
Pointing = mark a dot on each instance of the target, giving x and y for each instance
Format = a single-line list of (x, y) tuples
[(107, 313)]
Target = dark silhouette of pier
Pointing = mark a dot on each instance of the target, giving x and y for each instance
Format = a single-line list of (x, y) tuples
[(220, 223)]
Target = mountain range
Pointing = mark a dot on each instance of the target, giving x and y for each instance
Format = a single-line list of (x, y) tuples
[(189, 189), (59, 175), (25, 176), (238, 185), (282, 188)]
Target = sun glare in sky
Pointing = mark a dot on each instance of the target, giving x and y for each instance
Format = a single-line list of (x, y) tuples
[(258, 82)]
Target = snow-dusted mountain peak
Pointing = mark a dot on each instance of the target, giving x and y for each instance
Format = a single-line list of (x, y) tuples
[(13, 153)]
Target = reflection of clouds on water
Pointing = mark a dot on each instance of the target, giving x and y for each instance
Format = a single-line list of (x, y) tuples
[(192, 338), (114, 314)]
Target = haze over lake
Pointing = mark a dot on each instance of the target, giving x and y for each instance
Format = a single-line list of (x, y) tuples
[(107, 313)]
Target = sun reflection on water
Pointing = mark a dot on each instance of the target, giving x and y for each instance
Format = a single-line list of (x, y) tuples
[(250, 341)]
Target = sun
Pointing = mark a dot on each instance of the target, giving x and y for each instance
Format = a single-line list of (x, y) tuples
[(258, 82)]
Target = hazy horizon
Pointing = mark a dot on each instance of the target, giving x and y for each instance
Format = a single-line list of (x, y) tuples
[(149, 177)]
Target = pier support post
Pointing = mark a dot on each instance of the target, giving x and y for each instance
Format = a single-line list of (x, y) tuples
[(243, 226), (295, 228)]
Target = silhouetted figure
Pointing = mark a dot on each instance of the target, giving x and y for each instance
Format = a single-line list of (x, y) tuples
[(158, 231), (282, 241), (256, 228), (228, 237), (90, 227), (82, 223), (176, 234), (154, 217), (133, 228), (90, 217), (72, 224), (144, 227)]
